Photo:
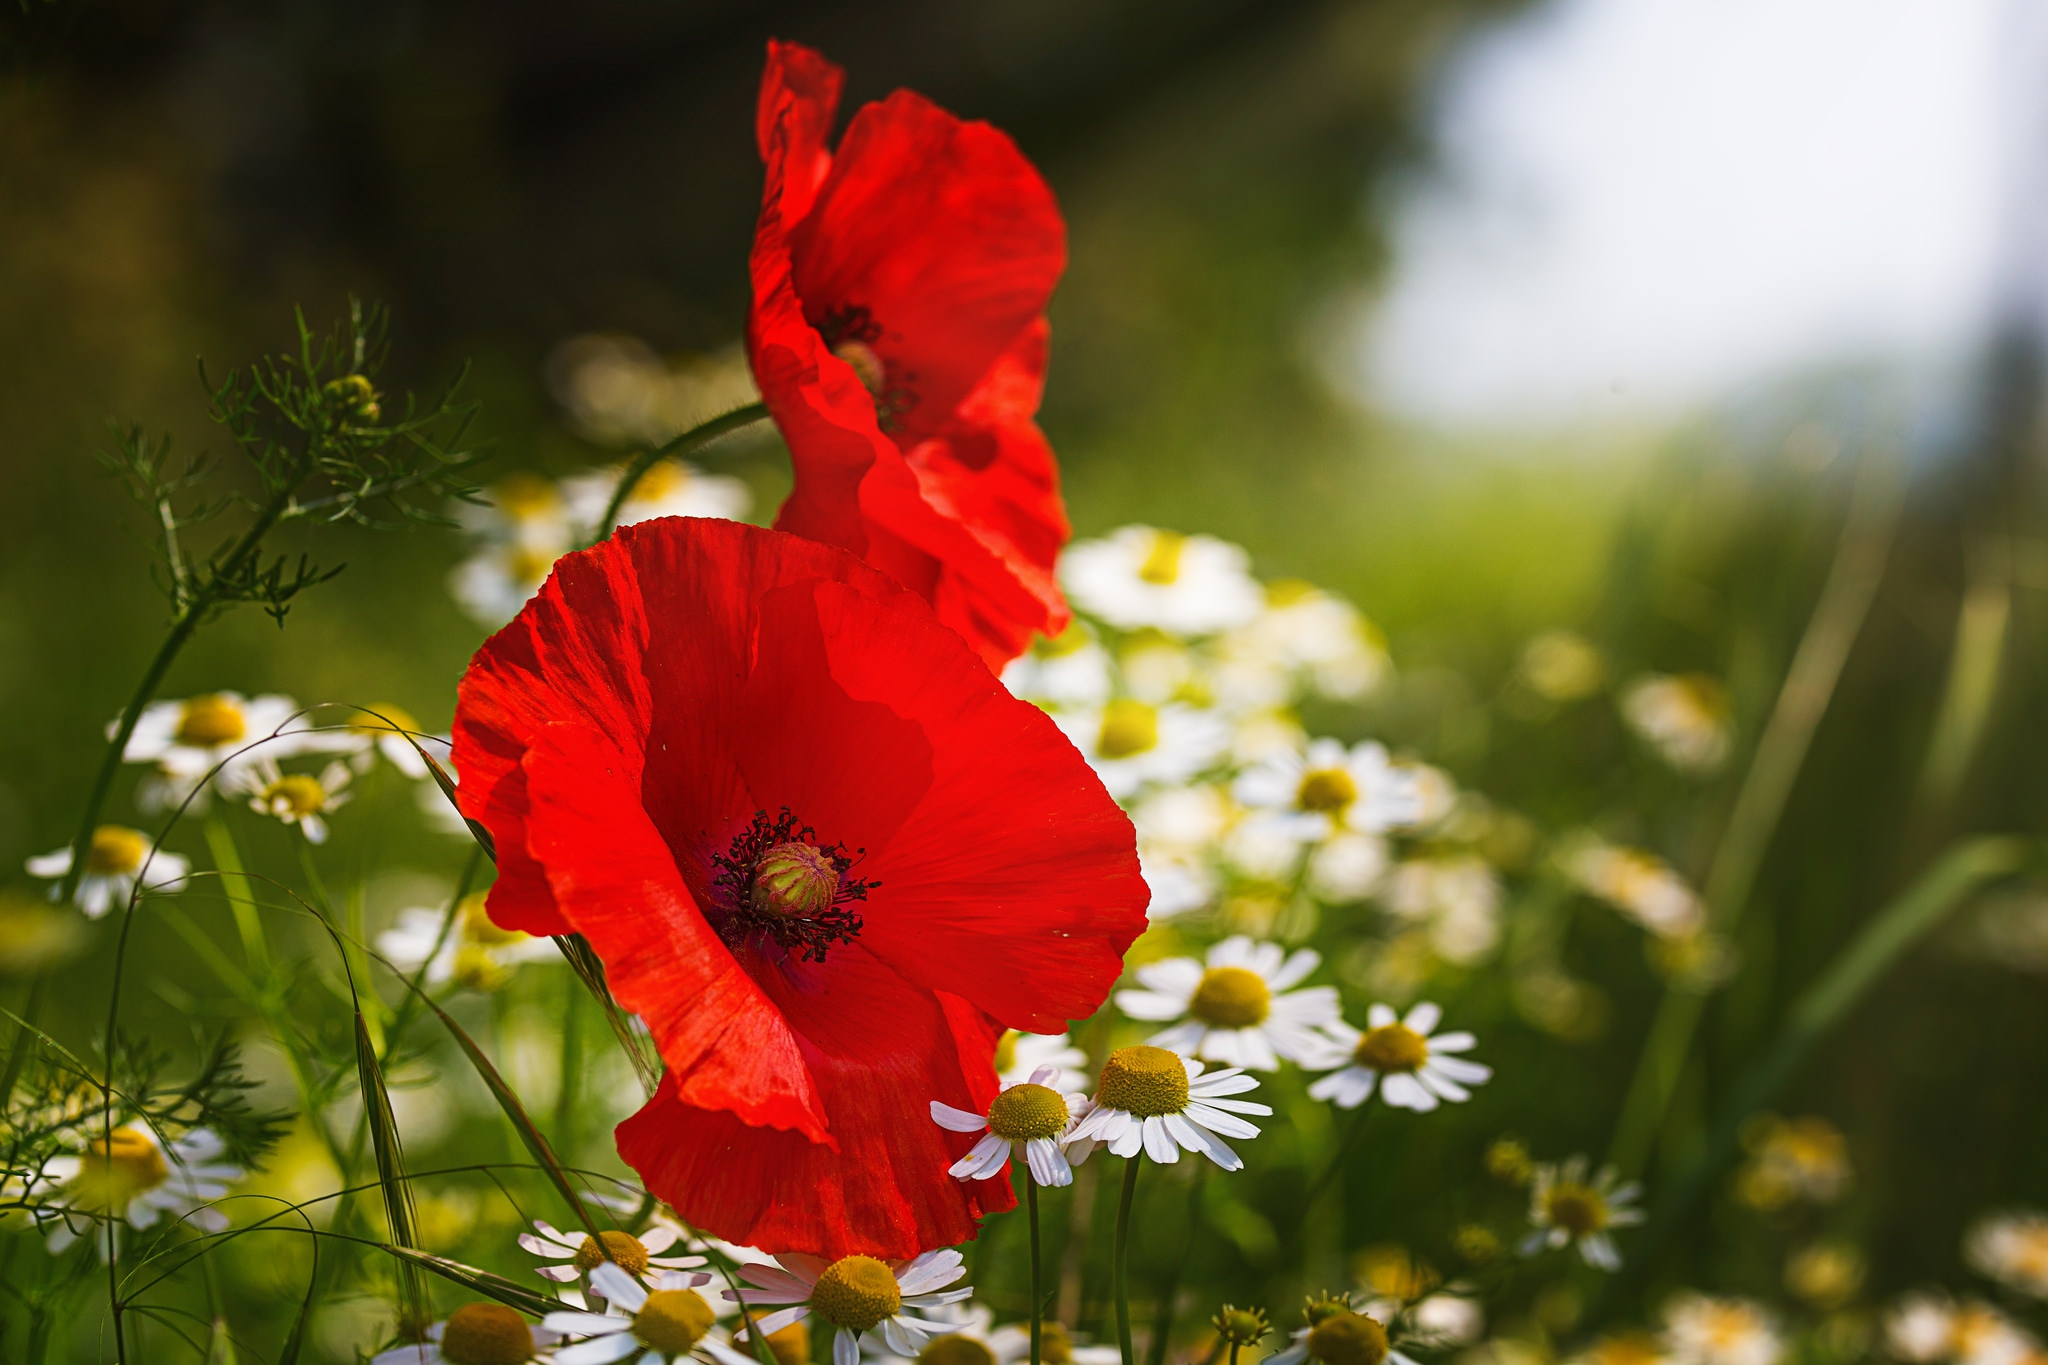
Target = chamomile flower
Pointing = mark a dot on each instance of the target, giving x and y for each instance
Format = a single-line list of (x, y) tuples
[(473, 952), (2012, 1248), (1236, 1007), (187, 739), (300, 799), (1139, 576), (1162, 1103), (1640, 885), (1304, 637), (1455, 898), (1030, 1112), (1412, 1069), (476, 1334), (1929, 1328), (385, 731), (115, 859), (1796, 1160), (577, 1253), (646, 1325), (1347, 867), (1335, 1332), (976, 1340), (669, 488), (131, 1176), (1133, 744), (1562, 666), (1700, 1329), (495, 582), (1019, 1055), (1068, 669), (1568, 1209), (1685, 718), (1178, 829), (1313, 794), (857, 1294)]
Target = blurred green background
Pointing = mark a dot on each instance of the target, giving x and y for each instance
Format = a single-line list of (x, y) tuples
[(176, 176)]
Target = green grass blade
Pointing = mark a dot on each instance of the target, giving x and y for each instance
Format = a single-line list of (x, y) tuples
[(384, 1144)]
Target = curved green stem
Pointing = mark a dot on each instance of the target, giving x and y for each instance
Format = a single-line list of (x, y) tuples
[(1120, 1265), (693, 439), (1037, 1293)]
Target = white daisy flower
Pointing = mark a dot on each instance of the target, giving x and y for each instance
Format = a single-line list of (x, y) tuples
[(1686, 719), (186, 739), (1304, 636), (647, 1325), (1640, 885), (1347, 867), (1700, 1329), (1070, 669), (1178, 831), (976, 1340), (1338, 1331), (1161, 1102), (1030, 1112), (1455, 898), (1236, 1008), (1133, 744), (114, 860), (488, 1332), (474, 952), (1313, 794), (386, 731), (1139, 576), (2012, 1248), (130, 1176), (1018, 1055), (857, 1294), (1412, 1069), (578, 1253), (1562, 666), (670, 488), (295, 798), (1569, 1209), (523, 508), (495, 582)]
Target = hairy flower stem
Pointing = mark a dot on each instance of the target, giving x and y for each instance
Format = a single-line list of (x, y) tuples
[(696, 437), (1037, 1294), (1121, 1262)]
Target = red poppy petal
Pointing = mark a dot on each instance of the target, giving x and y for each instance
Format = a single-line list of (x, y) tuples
[(792, 120), (884, 1191)]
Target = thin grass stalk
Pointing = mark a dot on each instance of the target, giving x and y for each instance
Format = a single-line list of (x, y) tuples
[(1121, 1257), (1780, 753), (698, 436), (1169, 1290)]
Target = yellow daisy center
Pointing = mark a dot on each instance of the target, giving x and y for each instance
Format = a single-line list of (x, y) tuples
[(1055, 1347), (1162, 561), (1072, 640), (956, 1349), (662, 480), (486, 1334), (477, 969), (1348, 1339), (530, 565), (1578, 1209), (295, 795), (1028, 1111), (1128, 728), (1145, 1081), (790, 1346), (624, 1248), (1391, 1047), (384, 719), (211, 721), (856, 1292), (1006, 1050), (1316, 1311), (478, 928), (1328, 790), (119, 1167), (1231, 997), (524, 496), (672, 1320), (794, 880), (115, 850)]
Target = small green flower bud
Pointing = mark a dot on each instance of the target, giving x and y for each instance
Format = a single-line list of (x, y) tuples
[(1240, 1326)]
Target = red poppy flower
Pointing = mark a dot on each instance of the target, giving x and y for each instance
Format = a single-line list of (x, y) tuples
[(899, 338), (822, 853)]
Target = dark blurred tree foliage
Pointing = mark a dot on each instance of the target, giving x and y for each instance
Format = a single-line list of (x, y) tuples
[(173, 176)]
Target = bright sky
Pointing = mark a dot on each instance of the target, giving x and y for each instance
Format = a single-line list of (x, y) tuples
[(1644, 205)]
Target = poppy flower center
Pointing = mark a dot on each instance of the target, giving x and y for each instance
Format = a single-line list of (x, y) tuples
[(485, 1334), (1144, 1081), (118, 1168), (1128, 728), (115, 850), (956, 1349), (1028, 1111), (1576, 1208), (1392, 1047), (622, 1248), (1348, 1339), (1231, 997), (210, 721), (672, 1320), (295, 796), (850, 332), (856, 1292), (777, 881), (1162, 561), (1328, 790)]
